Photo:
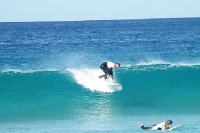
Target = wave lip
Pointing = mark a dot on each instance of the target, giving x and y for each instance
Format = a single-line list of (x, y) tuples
[(89, 78)]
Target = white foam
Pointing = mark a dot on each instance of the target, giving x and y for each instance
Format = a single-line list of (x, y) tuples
[(26, 71), (89, 78), (161, 62), (153, 62)]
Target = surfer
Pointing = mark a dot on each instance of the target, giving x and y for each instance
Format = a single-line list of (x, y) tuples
[(160, 126), (107, 67)]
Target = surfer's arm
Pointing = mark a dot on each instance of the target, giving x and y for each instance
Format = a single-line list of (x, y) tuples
[(110, 72), (112, 77)]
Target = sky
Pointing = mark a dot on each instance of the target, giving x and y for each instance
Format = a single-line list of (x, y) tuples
[(81, 10)]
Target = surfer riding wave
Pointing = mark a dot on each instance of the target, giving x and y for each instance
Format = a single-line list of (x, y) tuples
[(107, 67)]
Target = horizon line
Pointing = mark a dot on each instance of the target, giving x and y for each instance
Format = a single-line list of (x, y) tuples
[(95, 20)]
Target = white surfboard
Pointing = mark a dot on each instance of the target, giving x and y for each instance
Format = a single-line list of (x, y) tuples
[(113, 84), (174, 127), (110, 82)]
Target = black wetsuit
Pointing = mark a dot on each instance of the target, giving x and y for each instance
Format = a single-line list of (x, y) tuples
[(106, 70)]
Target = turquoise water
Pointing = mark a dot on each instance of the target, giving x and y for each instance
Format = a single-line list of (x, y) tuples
[(49, 75)]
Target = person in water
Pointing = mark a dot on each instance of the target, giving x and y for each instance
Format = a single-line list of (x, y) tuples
[(107, 67), (160, 126)]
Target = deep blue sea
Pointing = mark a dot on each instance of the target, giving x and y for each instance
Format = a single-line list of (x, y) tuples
[(49, 76)]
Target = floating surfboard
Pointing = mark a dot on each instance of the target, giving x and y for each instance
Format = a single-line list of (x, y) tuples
[(174, 127)]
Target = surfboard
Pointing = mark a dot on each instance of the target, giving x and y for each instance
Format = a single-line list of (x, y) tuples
[(110, 82), (174, 127), (113, 84)]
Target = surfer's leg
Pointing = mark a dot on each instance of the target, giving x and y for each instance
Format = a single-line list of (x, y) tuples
[(110, 73), (105, 76), (105, 70)]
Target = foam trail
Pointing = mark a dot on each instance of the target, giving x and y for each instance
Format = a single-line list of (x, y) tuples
[(170, 64), (89, 79)]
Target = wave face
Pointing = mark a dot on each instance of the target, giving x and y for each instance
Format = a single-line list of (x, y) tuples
[(49, 71), (55, 94), (167, 89)]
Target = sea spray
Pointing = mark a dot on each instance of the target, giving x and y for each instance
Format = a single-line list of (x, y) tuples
[(89, 78)]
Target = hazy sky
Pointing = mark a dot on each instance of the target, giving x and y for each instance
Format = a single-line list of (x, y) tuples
[(73, 10)]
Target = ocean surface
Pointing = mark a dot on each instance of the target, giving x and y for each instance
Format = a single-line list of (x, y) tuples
[(49, 76)]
